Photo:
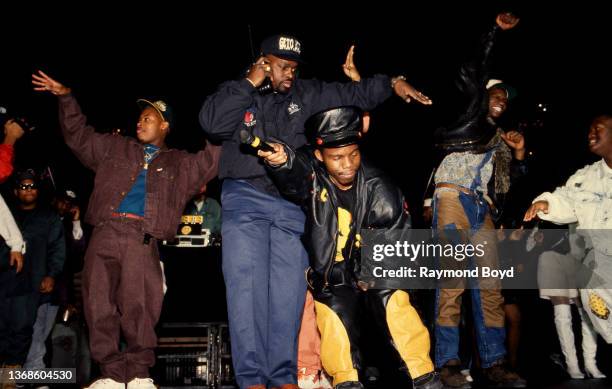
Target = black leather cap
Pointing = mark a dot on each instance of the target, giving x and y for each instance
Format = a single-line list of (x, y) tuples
[(336, 127)]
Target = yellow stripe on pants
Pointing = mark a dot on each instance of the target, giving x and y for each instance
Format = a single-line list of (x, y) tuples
[(335, 346), (409, 335)]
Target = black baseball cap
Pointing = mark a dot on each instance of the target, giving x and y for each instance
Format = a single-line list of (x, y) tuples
[(27, 174), (283, 46), (67, 194)]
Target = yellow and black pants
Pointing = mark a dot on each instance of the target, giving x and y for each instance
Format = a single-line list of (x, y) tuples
[(338, 310)]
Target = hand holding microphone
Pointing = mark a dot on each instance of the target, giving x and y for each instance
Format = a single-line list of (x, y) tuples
[(276, 158), (273, 153)]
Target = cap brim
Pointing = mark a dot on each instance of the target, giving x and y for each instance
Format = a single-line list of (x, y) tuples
[(511, 91), (288, 57), (340, 142), (28, 176), (144, 103)]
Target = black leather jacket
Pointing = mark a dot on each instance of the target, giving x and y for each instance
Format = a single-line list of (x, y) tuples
[(379, 205), (471, 131)]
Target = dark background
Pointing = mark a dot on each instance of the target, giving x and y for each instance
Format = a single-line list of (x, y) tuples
[(557, 56)]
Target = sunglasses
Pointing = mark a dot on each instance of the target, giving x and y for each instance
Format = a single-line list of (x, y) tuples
[(28, 186)]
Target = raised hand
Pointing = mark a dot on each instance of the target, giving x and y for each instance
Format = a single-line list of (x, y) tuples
[(506, 20), (12, 132), (44, 83), (349, 68), (514, 140), (258, 71), (408, 92), (517, 234), (75, 211)]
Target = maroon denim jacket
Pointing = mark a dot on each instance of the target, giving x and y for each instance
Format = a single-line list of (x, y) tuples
[(173, 177)]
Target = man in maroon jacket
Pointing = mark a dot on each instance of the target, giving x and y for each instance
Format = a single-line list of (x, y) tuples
[(140, 190)]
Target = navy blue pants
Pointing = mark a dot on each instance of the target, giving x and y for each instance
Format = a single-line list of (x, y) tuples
[(17, 317), (263, 266)]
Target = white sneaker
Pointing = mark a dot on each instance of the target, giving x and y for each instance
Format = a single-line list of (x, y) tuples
[(141, 383), (106, 383), (326, 381), (467, 375), (313, 381)]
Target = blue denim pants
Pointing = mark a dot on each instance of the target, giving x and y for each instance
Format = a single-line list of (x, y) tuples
[(45, 320), (463, 217), (263, 266)]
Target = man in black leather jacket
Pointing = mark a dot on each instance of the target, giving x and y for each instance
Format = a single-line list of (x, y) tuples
[(341, 195), (480, 160)]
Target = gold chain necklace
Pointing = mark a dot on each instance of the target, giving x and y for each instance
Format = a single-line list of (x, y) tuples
[(149, 157)]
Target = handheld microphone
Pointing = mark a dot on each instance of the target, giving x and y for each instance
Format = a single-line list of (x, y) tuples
[(22, 121), (254, 141)]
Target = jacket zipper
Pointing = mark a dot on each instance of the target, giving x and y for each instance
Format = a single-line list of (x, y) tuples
[(333, 258)]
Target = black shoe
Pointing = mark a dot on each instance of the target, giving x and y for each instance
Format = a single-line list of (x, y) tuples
[(498, 376), (428, 381), (349, 385), (452, 378), (557, 359)]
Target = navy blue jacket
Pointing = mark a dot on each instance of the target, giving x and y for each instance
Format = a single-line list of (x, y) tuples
[(45, 247), (276, 115)]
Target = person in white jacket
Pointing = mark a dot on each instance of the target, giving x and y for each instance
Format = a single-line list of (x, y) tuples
[(586, 199), (12, 237), (11, 255)]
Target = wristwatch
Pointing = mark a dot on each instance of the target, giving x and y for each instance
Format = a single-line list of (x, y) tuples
[(395, 79)]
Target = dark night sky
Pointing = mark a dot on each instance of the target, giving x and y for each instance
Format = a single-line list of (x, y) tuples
[(110, 58)]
